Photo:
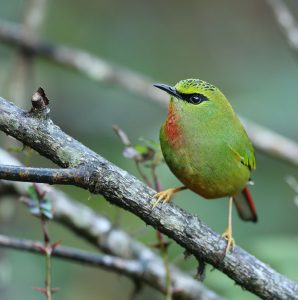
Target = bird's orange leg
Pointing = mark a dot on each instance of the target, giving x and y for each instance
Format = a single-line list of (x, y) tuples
[(228, 232), (166, 196)]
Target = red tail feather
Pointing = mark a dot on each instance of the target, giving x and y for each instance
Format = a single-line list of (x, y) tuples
[(245, 206)]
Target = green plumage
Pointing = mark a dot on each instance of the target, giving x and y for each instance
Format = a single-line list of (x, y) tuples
[(204, 143)]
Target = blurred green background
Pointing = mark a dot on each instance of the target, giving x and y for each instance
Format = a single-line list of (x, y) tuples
[(234, 44)]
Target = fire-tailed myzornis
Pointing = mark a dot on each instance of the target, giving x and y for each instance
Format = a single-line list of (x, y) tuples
[(207, 148)]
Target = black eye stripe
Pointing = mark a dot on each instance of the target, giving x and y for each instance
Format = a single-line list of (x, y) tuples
[(193, 98)]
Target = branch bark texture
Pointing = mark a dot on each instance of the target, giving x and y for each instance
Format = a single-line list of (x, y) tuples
[(101, 233), (124, 190)]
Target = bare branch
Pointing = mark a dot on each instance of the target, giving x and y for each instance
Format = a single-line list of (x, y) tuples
[(94, 67), (124, 190), (286, 21), (100, 232), (102, 70), (134, 269), (42, 175), (34, 13)]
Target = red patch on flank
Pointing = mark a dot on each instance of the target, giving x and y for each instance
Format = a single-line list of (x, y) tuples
[(172, 129), (250, 203)]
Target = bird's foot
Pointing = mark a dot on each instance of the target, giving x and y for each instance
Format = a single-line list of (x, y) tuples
[(230, 241), (164, 196)]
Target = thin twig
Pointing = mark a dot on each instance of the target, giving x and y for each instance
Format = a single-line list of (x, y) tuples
[(124, 190), (47, 243), (142, 174), (133, 268), (163, 245), (157, 185), (133, 153), (152, 162)]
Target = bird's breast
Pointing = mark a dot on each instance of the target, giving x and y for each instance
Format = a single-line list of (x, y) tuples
[(201, 158), (172, 128)]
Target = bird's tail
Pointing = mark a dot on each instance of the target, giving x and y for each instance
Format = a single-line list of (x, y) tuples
[(245, 206)]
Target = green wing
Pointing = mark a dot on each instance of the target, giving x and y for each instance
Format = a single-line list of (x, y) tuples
[(245, 154), (249, 161)]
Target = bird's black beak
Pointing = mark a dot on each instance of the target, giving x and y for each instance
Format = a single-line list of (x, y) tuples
[(169, 89)]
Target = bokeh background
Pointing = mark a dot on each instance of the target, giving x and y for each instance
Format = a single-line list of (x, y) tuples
[(237, 45)]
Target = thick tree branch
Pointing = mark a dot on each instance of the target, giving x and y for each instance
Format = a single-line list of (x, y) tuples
[(102, 70), (100, 232), (124, 190)]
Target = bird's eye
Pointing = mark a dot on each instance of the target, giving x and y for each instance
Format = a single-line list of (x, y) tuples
[(197, 98)]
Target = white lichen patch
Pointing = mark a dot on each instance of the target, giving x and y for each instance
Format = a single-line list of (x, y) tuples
[(69, 156)]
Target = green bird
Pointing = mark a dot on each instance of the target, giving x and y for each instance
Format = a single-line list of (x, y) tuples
[(205, 145)]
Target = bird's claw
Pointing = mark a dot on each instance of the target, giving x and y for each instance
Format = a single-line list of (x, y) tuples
[(230, 241), (164, 196)]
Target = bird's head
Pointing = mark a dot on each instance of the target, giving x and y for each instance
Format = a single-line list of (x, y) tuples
[(194, 93)]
